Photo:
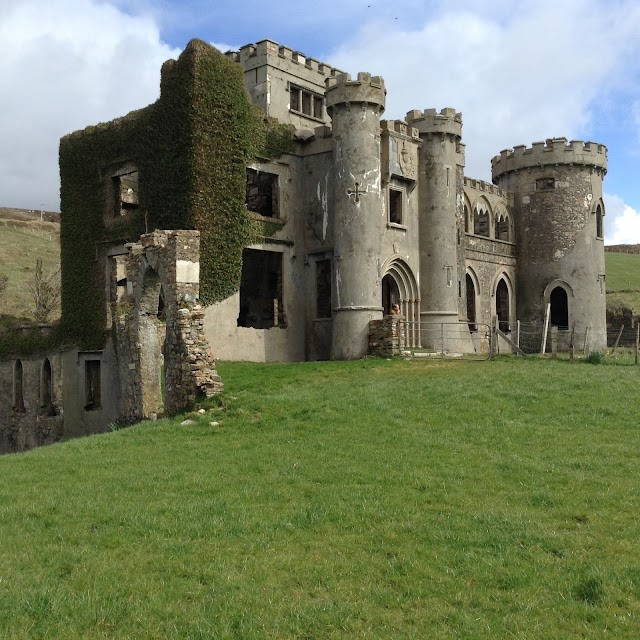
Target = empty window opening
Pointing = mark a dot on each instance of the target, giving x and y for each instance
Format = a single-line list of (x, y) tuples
[(471, 304), (466, 219), (46, 389), (305, 102), (152, 298), (545, 184), (559, 308), (262, 193), (395, 206), (261, 299), (323, 289), (92, 385), (481, 223), (599, 225), (390, 293), (502, 228), (18, 387), (502, 306), (126, 193)]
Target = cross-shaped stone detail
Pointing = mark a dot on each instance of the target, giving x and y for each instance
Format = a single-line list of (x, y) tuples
[(357, 192)]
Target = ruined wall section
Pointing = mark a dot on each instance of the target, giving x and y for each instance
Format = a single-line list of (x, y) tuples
[(36, 418), (557, 186), (163, 315)]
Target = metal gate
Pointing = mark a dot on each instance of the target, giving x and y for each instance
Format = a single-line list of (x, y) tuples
[(448, 340)]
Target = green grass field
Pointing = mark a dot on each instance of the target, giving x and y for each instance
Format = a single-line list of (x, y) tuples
[(623, 271), (19, 248), (369, 499)]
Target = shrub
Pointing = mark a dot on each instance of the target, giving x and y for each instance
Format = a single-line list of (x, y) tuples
[(595, 357)]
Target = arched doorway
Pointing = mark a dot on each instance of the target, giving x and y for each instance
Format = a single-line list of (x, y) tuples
[(399, 287), (471, 304), (502, 306), (390, 293), (559, 316), (46, 389)]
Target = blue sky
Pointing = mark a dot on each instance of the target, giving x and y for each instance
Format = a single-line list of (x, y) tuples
[(519, 72)]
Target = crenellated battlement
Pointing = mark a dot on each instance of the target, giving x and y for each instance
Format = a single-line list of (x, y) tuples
[(447, 121), (554, 151), (366, 88), (273, 52), (401, 127), (488, 187)]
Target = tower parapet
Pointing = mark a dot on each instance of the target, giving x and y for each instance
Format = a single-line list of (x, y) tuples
[(555, 151), (366, 89), (431, 121)]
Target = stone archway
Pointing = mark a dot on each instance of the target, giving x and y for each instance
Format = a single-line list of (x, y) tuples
[(399, 286), (503, 306)]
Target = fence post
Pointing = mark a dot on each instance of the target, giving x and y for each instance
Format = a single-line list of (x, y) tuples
[(637, 340), (547, 314), (554, 342), (586, 340), (572, 350), (518, 332), (617, 339)]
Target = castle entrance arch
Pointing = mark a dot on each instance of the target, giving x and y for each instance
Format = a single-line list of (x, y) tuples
[(399, 286), (559, 315)]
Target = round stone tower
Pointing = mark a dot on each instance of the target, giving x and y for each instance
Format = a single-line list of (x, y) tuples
[(558, 211), (441, 175), (355, 107)]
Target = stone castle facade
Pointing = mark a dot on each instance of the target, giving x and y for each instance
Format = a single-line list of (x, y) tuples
[(363, 213), (372, 212)]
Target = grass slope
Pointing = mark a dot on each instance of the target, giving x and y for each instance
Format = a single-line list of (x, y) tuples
[(623, 281), (370, 499), (20, 244)]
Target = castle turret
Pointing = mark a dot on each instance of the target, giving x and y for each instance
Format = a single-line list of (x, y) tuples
[(558, 212), (355, 107), (441, 175)]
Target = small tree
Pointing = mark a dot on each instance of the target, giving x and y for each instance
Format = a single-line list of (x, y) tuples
[(3, 284), (45, 293)]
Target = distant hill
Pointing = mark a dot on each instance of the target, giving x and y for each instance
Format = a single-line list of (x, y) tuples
[(24, 236), (622, 266)]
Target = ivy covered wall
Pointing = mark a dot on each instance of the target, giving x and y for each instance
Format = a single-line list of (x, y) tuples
[(191, 148)]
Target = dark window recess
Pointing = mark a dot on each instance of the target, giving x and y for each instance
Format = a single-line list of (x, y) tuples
[(92, 400), (395, 206), (466, 219), (481, 223), (261, 300), (46, 390), (262, 193), (502, 228), (502, 306), (126, 193), (545, 184), (471, 304), (599, 226), (323, 288), (18, 388), (305, 102)]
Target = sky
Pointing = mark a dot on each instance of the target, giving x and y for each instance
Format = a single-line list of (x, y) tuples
[(520, 71)]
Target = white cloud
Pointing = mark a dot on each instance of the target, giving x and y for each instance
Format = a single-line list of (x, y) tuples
[(621, 222), (66, 64), (525, 74)]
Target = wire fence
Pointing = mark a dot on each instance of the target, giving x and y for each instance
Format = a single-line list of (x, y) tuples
[(447, 340)]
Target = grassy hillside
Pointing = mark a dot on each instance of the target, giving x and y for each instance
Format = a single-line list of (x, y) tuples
[(21, 242), (623, 281), (370, 499)]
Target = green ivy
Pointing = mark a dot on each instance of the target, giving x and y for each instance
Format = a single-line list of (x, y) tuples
[(191, 148)]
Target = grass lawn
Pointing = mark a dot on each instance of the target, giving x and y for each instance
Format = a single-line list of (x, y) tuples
[(623, 271), (369, 499)]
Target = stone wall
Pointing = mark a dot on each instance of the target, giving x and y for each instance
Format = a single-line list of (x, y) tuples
[(386, 336)]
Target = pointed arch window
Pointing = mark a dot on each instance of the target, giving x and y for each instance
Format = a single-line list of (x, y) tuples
[(599, 222), (18, 387)]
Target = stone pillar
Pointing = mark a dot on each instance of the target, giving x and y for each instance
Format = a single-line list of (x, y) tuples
[(355, 107), (441, 215)]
